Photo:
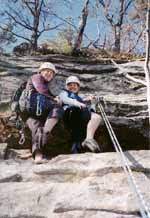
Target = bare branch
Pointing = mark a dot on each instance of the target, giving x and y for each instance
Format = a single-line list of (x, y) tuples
[(127, 6), (40, 7), (27, 3), (65, 20), (138, 39), (121, 13), (108, 17), (18, 16), (15, 34), (125, 73), (18, 22), (71, 24), (102, 3), (135, 79), (48, 29)]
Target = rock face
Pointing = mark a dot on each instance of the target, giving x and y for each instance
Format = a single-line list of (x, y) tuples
[(70, 186), (84, 185), (125, 101)]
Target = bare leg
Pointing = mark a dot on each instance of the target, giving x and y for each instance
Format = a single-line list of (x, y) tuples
[(34, 125), (45, 131), (49, 124), (36, 128), (93, 125)]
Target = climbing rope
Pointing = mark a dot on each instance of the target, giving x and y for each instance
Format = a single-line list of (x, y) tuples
[(144, 210)]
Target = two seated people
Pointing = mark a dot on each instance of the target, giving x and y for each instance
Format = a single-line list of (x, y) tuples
[(45, 110)]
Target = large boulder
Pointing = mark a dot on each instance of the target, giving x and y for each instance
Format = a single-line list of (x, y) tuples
[(70, 186), (82, 185), (125, 101)]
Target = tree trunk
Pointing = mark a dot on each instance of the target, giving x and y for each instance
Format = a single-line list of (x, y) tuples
[(34, 37), (82, 25), (118, 27), (146, 67), (117, 39), (117, 44), (34, 41), (116, 24)]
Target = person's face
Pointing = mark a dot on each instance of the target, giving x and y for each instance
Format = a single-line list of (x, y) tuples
[(73, 87), (47, 74)]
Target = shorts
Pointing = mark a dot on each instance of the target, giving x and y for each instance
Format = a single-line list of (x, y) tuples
[(76, 120)]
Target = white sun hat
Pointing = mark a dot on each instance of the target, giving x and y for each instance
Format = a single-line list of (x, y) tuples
[(72, 79), (48, 65)]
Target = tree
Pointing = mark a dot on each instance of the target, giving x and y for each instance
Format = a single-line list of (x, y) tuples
[(63, 42), (146, 67), (140, 9), (82, 25), (67, 34), (115, 13), (28, 18), (138, 16), (5, 34)]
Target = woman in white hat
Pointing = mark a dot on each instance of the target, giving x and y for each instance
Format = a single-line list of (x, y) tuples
[(44, 110), (78, 117)]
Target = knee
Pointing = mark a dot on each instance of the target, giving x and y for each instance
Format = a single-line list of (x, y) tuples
[(52, 120), (50, 124), (95, 117), (46, 132)]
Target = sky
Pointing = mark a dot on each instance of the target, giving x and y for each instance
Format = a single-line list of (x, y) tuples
[(74, 10)]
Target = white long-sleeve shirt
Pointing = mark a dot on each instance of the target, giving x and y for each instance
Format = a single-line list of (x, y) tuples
[(67, 100)]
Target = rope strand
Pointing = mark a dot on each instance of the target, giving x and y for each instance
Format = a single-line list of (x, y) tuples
[(145, 213)]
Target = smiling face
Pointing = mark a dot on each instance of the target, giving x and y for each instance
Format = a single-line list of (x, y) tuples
[(48, 74), (73, 87)]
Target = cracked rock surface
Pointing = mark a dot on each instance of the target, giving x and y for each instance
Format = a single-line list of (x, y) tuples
[(125, 100), (72, 186)]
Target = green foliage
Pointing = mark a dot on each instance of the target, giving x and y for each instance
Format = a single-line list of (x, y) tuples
[(63, 42), (68, 34), (141, 2), (6, 37), (140, 9), (56, 46), (65, 39), (63, 46)]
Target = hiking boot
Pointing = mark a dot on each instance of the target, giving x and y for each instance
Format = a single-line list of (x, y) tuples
[(76, 146), (91, 144)]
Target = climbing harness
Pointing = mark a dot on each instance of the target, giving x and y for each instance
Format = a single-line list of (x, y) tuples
[(40, 102), (22, 137), (144, 210), (20, 125)]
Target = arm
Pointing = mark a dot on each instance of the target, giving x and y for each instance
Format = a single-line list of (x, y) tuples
[(69, 101)]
